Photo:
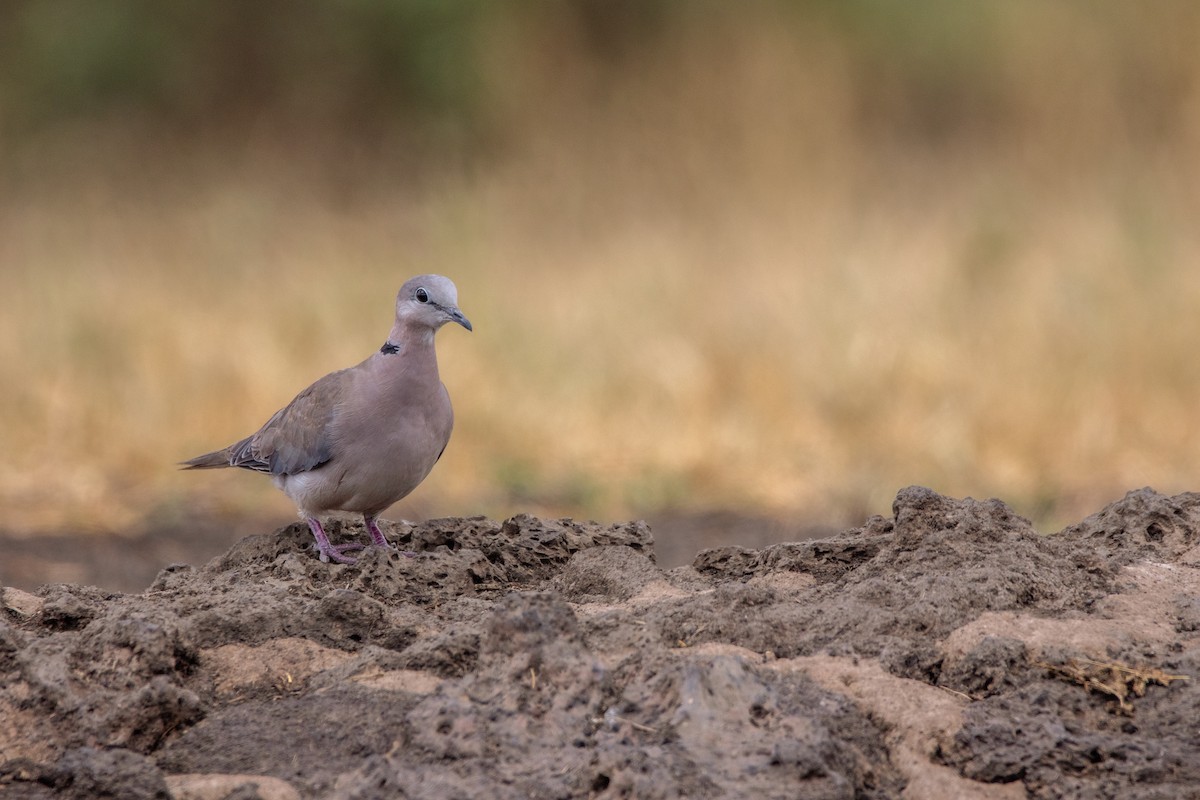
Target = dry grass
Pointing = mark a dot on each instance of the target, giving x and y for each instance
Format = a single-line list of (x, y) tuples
[(699, 281), (1112, 679)]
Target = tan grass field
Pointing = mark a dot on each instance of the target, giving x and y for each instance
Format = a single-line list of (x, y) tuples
[(726, 276)]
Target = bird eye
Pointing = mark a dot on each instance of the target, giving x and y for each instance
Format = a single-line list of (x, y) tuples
[(422, 296)]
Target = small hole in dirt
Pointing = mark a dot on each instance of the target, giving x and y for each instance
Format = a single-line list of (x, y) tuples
[(1155, 532), (600, 783)]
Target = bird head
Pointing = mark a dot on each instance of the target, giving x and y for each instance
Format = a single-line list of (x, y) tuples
[(430, 300)]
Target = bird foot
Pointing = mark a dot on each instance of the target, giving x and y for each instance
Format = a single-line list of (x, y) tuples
[(379, 541), (337, 552), (328, 551)]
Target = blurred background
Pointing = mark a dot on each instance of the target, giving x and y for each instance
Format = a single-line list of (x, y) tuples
[(741, 269)]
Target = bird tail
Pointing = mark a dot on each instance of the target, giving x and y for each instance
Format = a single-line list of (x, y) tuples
[(213, 460)]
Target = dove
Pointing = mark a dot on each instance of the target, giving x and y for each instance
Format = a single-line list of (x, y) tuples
[(361, 438)]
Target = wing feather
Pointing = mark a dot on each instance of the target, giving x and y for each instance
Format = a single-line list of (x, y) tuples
[(297, 438)]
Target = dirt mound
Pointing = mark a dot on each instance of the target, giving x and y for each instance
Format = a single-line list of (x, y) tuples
[(948, 652)]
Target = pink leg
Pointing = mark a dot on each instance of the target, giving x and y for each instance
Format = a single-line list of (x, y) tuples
[(377, 536), (328, 551)]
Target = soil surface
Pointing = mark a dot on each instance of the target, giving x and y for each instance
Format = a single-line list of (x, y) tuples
[(948, 652), (129, 561)]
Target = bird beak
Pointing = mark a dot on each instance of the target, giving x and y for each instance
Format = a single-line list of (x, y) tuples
[(458, 317)]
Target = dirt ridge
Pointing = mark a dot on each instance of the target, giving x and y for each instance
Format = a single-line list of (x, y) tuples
[(553, 658)]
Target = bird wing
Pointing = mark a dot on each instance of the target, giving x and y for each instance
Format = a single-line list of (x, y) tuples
[(297, 438)]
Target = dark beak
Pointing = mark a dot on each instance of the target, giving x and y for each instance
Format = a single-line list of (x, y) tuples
[(458, 317)]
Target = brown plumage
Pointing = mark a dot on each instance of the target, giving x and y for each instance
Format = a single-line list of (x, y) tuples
[(361, 438)]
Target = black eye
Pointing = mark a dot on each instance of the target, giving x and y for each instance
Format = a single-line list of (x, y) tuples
[(422, 296)]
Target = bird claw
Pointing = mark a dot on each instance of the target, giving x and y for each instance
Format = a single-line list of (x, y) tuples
[(337, 553)]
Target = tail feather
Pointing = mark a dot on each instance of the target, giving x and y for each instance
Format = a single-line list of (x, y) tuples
[(213, 460)]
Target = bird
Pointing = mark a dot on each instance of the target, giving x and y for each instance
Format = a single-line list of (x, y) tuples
[(361, 438)]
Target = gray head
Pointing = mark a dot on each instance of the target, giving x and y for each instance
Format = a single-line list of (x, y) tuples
[(430, 301)]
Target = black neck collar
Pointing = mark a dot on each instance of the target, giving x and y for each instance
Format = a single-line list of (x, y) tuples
[(389, 349)]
